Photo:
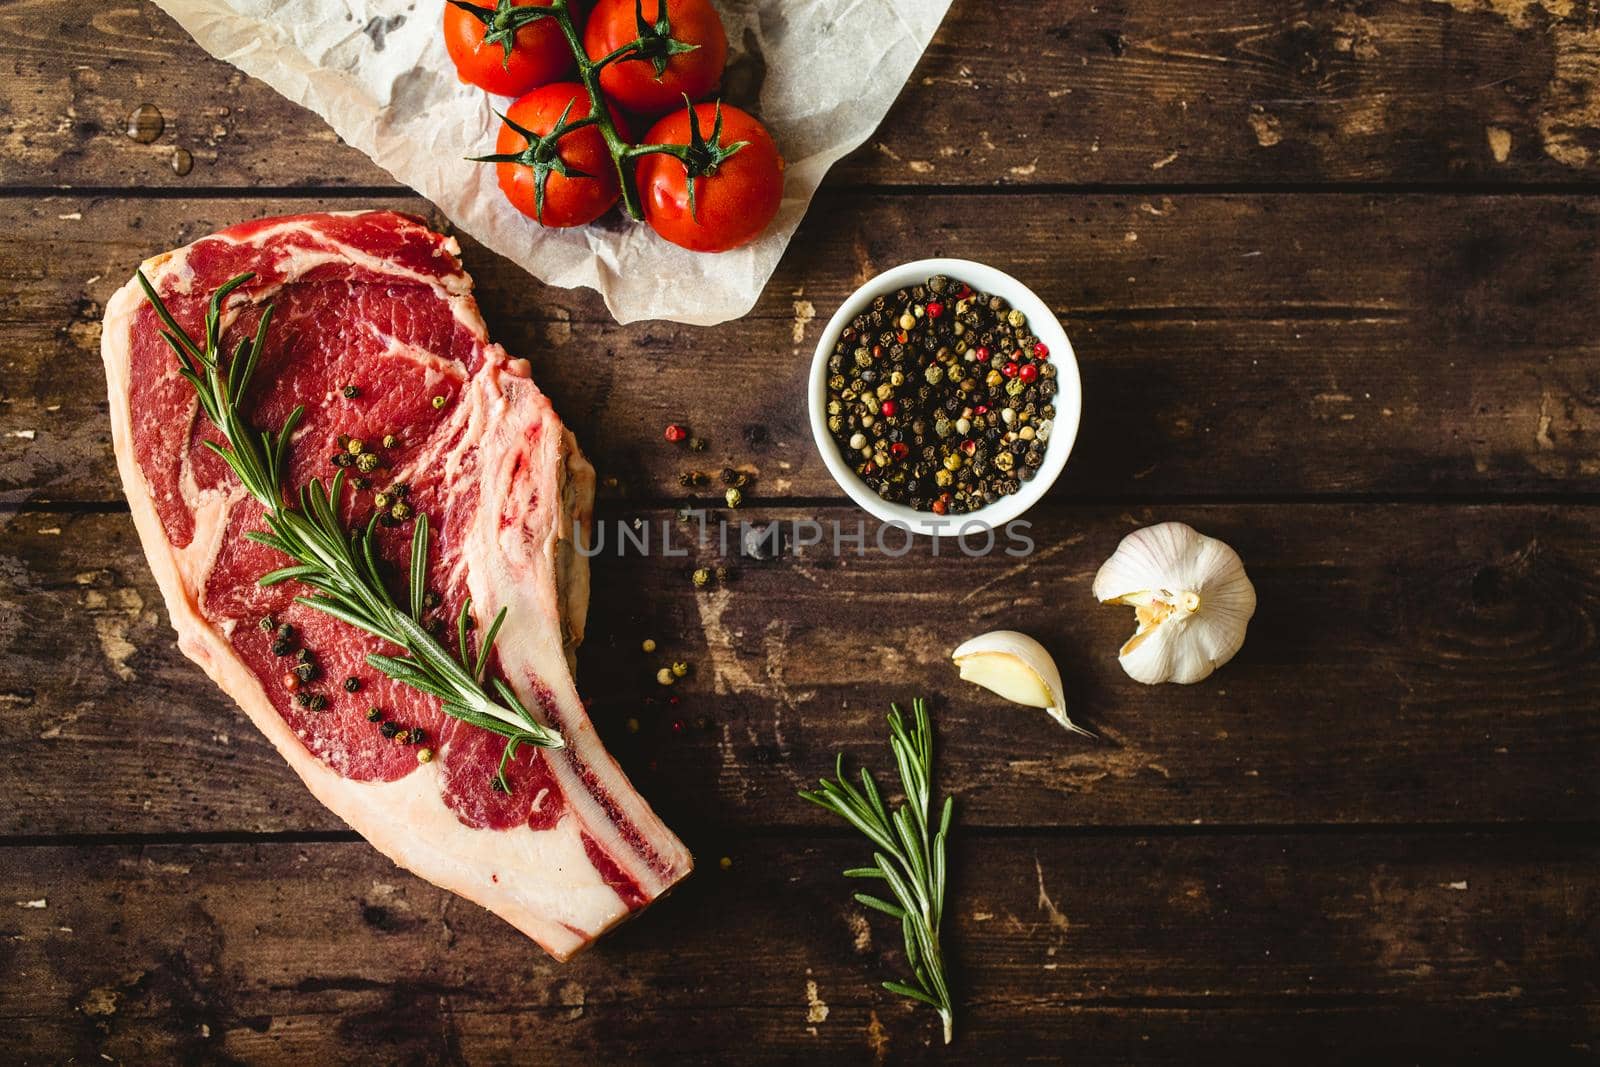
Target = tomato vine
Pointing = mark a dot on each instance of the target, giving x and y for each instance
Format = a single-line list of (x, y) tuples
[(700, 157)]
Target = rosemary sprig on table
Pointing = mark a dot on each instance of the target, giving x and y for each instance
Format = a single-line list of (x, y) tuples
[(909, 856), (341, 565)]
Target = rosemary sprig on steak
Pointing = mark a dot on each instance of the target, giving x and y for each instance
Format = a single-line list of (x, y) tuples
[(909, 854), (339, 564)]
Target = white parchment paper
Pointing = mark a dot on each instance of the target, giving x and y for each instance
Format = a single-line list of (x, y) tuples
[(820, 73)]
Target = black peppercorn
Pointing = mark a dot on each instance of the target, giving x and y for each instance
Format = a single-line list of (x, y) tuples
[(352, 684), (935, 416)]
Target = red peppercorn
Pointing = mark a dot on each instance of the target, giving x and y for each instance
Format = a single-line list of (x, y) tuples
[(940, 507), (981, 409), (969, 446), (902, 336), (982, 353), (1041, 351), (899, 450), (877, 351), (935, 309), (889, 408), (290, 682), (966, 291), (1010, 370), (1029, 372), (677, 726), (869, 468), (676, 433)]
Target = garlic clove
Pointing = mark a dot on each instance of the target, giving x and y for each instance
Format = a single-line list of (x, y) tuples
[(1191, 599), (1015, 666), (1007, 676)]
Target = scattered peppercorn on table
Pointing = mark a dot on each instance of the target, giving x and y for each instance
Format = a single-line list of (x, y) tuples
[(1327, 275)]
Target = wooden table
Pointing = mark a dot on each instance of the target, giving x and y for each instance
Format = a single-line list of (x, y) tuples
[(1330, 269)]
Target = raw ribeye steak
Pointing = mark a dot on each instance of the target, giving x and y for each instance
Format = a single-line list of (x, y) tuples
[(376, 333)]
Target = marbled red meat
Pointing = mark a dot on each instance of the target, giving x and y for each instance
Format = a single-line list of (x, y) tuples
[(378, 301)]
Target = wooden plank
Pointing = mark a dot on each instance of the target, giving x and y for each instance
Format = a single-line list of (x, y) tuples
[(1231, 345), (1092, 948), (1136, 92), (1408, 664)]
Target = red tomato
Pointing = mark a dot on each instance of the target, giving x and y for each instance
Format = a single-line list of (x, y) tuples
[(568, 201), (540, 53), (733, 202), (633, 83)]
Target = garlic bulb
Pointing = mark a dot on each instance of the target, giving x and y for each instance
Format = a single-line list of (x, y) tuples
[(1190, 595), (1016, 667)]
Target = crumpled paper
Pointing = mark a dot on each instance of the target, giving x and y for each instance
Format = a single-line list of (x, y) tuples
[(820, 74)]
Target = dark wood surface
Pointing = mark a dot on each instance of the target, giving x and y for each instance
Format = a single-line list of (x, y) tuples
[(1328, 267)]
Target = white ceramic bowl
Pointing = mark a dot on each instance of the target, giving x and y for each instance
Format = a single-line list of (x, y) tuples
[(1068, 399)]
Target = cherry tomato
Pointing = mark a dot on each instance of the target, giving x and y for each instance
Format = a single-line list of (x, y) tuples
[(568, 201), (634, 83), (540, 53), (733, 203)]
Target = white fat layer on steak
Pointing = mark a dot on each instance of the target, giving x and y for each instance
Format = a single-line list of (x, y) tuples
[(542, 881)]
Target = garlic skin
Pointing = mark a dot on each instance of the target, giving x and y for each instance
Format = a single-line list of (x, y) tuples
[(1191, 596), (1015, 666)]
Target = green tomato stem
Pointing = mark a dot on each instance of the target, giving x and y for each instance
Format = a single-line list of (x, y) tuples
[(624, 156)]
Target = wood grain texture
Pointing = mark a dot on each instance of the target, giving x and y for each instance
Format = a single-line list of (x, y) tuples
[(1166, 948), (1133, 92), (1232, 346), (1327, 265), (1407, 665)]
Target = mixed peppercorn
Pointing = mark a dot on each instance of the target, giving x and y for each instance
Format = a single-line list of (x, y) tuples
[(391, 503), (392, 507), (941, 398), (303, 670)]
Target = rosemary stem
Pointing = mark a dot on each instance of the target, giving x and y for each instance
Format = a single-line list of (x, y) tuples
[(338, 564), (909, 856)]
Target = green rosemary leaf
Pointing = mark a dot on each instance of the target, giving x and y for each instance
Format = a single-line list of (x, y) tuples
[(329, 606), (285, 574), (462, 619), (908, 933), (261, 537), (338, 564), (253, 352), (487, 645), (910, 861), (880, 905), (419, 567), (915, 994)]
